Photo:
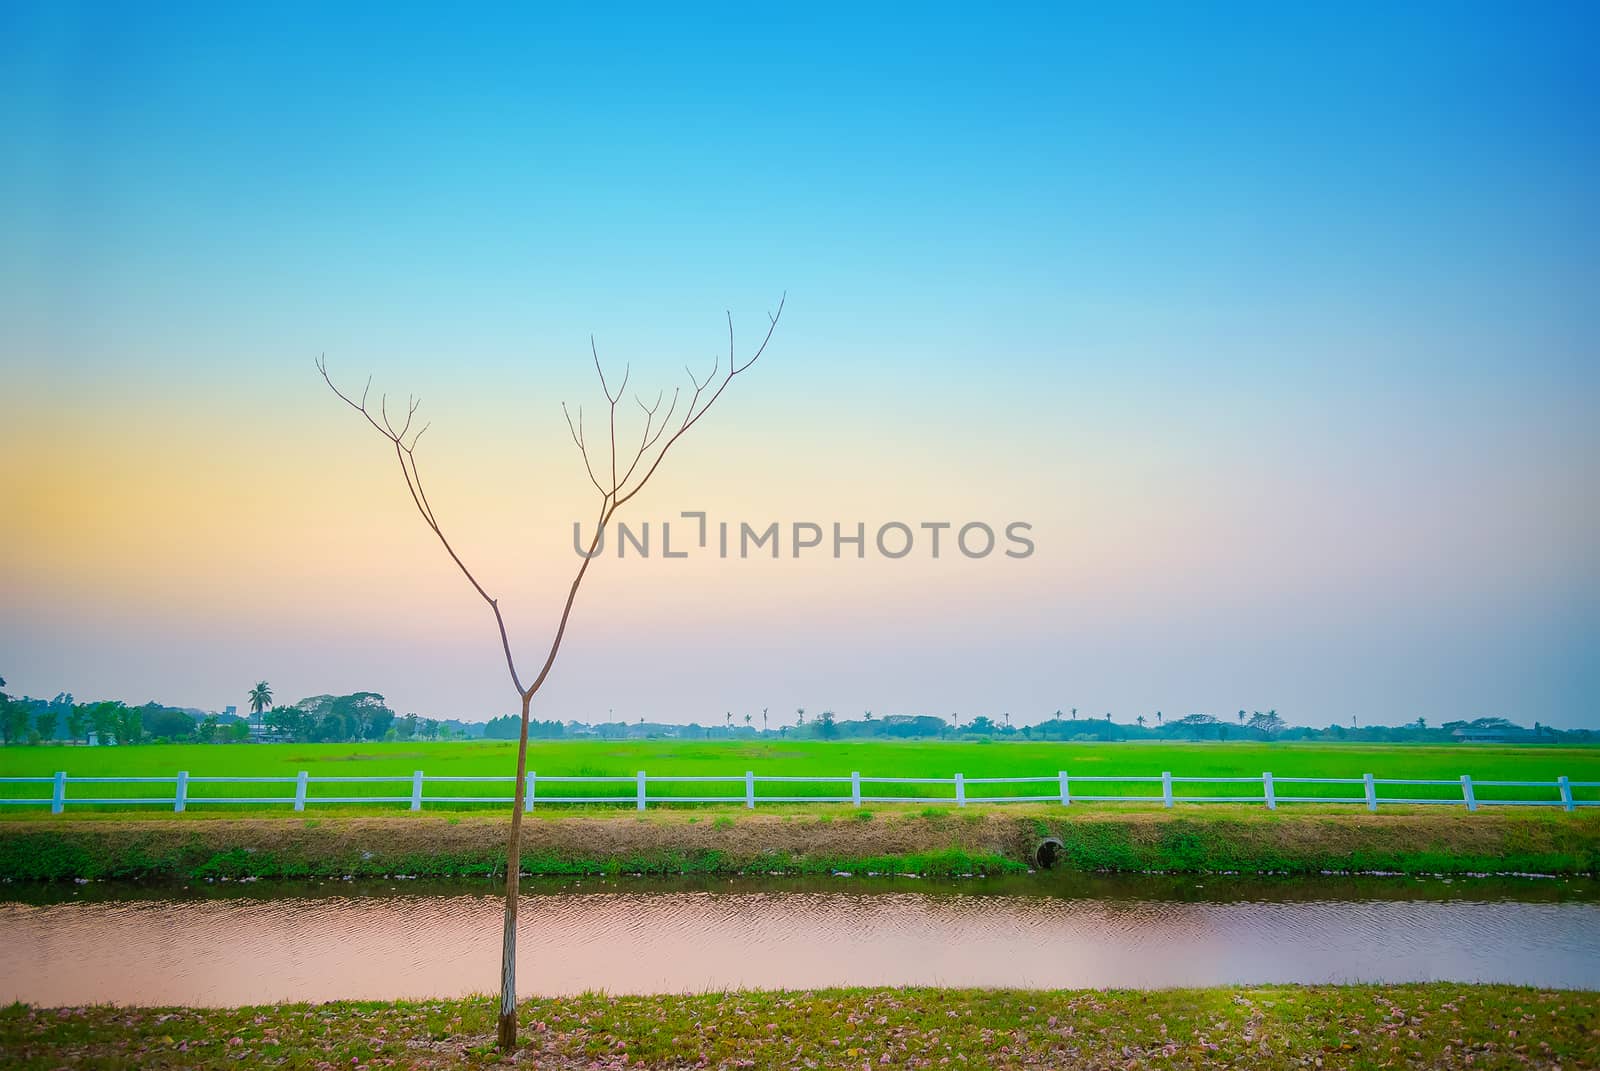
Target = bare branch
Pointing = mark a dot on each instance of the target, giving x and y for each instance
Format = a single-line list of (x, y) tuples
[(406, 455), (610, 503), (646, 440), (716, 362), (577, 439), (664, 420), (691, 416), (361, 407), (598, 369)]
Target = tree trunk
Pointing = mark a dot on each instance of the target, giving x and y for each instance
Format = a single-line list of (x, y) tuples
[(508, 946)]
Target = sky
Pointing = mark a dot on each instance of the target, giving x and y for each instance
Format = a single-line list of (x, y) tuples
[(1276, 326)]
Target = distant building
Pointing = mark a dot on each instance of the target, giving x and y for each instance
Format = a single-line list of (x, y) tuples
[(256, 725), (1502, 734)]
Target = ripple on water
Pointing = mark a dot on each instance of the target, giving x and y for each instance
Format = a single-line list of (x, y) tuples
[(247, 950)]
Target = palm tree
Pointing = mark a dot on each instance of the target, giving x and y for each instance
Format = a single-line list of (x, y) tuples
[(1140, 721), (1007, 716), (1241, 716), (800, 715), (867, 715), (260, 698), (729, 716), (747, 721), (1158, 717), (1074, 713), (763, 720)]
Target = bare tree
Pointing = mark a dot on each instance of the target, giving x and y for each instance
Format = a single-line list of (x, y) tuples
[(617, 482)]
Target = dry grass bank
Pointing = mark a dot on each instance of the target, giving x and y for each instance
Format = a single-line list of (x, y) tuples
[(927, 840)]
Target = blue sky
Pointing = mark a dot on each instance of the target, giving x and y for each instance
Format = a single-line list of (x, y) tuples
[(1325, 275)]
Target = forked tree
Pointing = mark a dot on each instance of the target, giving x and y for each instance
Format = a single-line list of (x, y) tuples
[(618, 480)]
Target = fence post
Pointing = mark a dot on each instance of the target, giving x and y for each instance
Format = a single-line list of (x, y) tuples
[(961, 791), (750, 790), (180, 798), (1166, 788), (855, 787), (300, 791), (1566, 792), (1066, 789), (1372, 792), (416, 790), (58, 798), (641, 790), (527, 793), (1466, 792), (1269, 791)]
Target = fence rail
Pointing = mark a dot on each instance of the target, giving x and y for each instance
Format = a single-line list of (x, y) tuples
[(1463, 791)]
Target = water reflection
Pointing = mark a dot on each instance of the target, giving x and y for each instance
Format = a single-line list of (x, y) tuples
[(634, 938)]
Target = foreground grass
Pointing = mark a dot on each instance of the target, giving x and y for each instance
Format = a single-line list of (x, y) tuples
[(800, 758), (1421, 1026), (930, 841)]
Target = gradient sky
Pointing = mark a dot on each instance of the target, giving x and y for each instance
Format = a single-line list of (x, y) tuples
[(1280, 326)]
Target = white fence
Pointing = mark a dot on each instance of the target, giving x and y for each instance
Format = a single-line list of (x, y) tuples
[(1063, 788)]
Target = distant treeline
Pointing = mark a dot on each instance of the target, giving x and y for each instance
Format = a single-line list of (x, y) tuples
[(362, 716), (365, 716), (27, 720), (357, 717), (1256, 725)]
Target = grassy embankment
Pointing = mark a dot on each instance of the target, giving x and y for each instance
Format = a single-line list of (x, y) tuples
[(933, 841), (1419, 1026)]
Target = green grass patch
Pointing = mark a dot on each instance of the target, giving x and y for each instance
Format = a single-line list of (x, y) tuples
[(804, 758), (1332, 1027)]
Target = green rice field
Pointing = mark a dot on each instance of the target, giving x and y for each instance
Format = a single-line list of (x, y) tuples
[(1127, 762)]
